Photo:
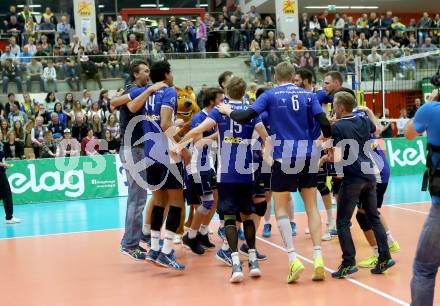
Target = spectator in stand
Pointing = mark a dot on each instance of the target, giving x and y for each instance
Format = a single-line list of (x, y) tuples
[(95, 111), (387, 21), (7, 54), (29, 106), (408, 66), (48, 147), (62, 115), (43, 113), (11, 73), (298, 52), (112, 144), (90, 144), (68, 146), (338, 22), (13, 47), (10, 103), (87, 100), (89, 71), (362, 23), (24, 58), (309, 41), (104, 100), (77, 112), (373, 22), (304, 26), (50, 101), (30, 29), (75, 44), (4, 129), (48, 29), (31, 45), (325, 62), (50, 15), (157, 54), (120, 28), (387, 130), (100, 60), (18, 131), (202, 36), (257, 65), (433, 60), (401, 122), (16, 115), (308, 63), (13, 149), (322, 19), (97, 126), (50, 75), (68, 104), (282, 40), (55, 126), (373, 58), (176, 38), (271, 61), (63, 29), (112, 125), (91, 43), (120, 47), (34, 71), (37, 135), (417, 104), (14, 28), (71, 70), (133, 44)]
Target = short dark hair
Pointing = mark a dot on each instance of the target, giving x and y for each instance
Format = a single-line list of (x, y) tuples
[(305, 74), (335, 75), (210, 94), (134, 68), (260, 91), (11, 94), (222, 77), (159, 70)]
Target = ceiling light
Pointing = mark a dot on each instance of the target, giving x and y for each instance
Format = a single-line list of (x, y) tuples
[(32, 5), (164, 8), (325, 7), (364, 7), (203, 5), (148, 5), (101, 6)]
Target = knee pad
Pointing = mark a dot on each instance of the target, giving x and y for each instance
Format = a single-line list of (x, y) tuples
[(157, 217), (173, 219), (260, 209), (323, 189), (207, 201), (230, 220), (363, 221)]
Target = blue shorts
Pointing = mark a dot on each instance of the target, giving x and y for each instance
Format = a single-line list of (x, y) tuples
[(289, 182), (235, 198)]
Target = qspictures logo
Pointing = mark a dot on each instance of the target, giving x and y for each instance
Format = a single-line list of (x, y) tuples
[(70, 183)]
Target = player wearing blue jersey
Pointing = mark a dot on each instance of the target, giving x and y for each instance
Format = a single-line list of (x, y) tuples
[(164, 173), (202, 185), (292, 112), (235, 174), (303, 78)]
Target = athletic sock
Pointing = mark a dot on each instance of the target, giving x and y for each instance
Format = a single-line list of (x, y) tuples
[(146, 229), (249, 233), (232, 237), (192, 233), (286, 234), (390, 238), (317, 251), (204, 230), (267, 222), (168, 242), (376, 251), (235, 258), (252, 255), (155, 236), (329, 216), (225, 245)]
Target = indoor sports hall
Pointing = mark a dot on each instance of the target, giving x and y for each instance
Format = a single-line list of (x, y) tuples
[(74, 74)]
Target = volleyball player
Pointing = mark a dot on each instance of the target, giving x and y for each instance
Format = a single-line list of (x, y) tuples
[(292, 113), (164, 174), (235, 174)]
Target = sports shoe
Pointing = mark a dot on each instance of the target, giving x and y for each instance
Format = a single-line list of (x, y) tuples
[(254, 268), (382, 266), (369, 262), (204, 241), (177, 239), (326, 236), (224, 256), (147, 240), (318, 269), (193, 244), (135, 253), (293, 226), (394, 247), (237, 274), (152, 256), (244, 250), (344, 270), (221, 232), (13, 220), (169, 261), (267, 228), (240, 234), (296, 268)]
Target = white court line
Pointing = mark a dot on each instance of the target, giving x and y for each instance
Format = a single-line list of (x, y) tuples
[(351, 280), (408, 209), (62, 234)]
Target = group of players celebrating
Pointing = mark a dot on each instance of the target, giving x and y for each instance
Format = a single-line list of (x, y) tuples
[(237, 158)]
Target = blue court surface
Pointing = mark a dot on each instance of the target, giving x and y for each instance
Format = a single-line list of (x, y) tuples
[(109, 213)]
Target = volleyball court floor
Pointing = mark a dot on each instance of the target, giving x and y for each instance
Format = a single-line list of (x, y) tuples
[(67, 253)]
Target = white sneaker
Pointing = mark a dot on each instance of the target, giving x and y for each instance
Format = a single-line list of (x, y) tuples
[(326, 237), (177, 239), (13, 220), (307, 231)]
